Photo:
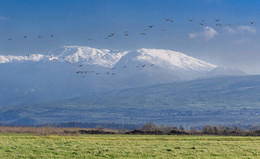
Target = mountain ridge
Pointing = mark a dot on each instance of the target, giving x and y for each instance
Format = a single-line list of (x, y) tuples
[(85, 70)]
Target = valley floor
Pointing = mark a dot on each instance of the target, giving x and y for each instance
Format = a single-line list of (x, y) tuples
[(127, 146)]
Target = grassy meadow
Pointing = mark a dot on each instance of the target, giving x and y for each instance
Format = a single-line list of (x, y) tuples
[(127, 146)]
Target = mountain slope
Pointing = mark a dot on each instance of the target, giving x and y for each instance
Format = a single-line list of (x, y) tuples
[(225, 101), (74, 71)]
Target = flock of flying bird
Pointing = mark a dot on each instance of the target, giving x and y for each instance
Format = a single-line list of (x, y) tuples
[(39, 36), (202, 22), (81, 72)]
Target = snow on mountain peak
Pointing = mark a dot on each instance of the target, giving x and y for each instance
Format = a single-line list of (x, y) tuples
[(172, 60), (10, 58), (88, 55), (109, 58)]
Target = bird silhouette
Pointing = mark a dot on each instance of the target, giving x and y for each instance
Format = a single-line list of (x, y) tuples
[(10, 39), (202, 24), (142, 34), (190, 20), (219, 25), (126, 33), (169, 20), (51, 36), (111, 35), (252, 22), (25, 37), (150, 26)]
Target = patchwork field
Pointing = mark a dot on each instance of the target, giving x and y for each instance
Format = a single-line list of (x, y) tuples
[(127, 146)]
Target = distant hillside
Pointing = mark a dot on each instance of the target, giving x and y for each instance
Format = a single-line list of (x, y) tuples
[(223, 100), (78, 71)]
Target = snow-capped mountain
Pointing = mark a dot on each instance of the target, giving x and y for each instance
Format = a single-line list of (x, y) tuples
[(108, 58), (73, 71)]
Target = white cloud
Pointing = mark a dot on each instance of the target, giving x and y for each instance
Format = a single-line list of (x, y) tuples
[(240, 29), (247, 29), (3, 18), (207, 33), (230, 30), (239, 42)]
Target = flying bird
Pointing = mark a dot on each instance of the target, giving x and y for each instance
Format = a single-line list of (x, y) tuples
[(39, 36), (25, 37), (169, 20), (51, 36), (202, 24), (190, 20), (111, 35), (142, 34), (217, 19), (10, 39), (252, 22), (80, 65), (219, 25), (126, 33), (150, 26)]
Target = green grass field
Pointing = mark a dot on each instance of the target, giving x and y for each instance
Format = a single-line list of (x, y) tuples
[(127, 146)]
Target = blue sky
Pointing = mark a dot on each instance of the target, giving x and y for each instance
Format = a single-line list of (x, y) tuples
[(74, 22)]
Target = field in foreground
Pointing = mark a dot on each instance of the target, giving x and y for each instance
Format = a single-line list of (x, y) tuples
[(127, 146)]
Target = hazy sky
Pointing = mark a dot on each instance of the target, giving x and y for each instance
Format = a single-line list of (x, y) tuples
[(235, 44)]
